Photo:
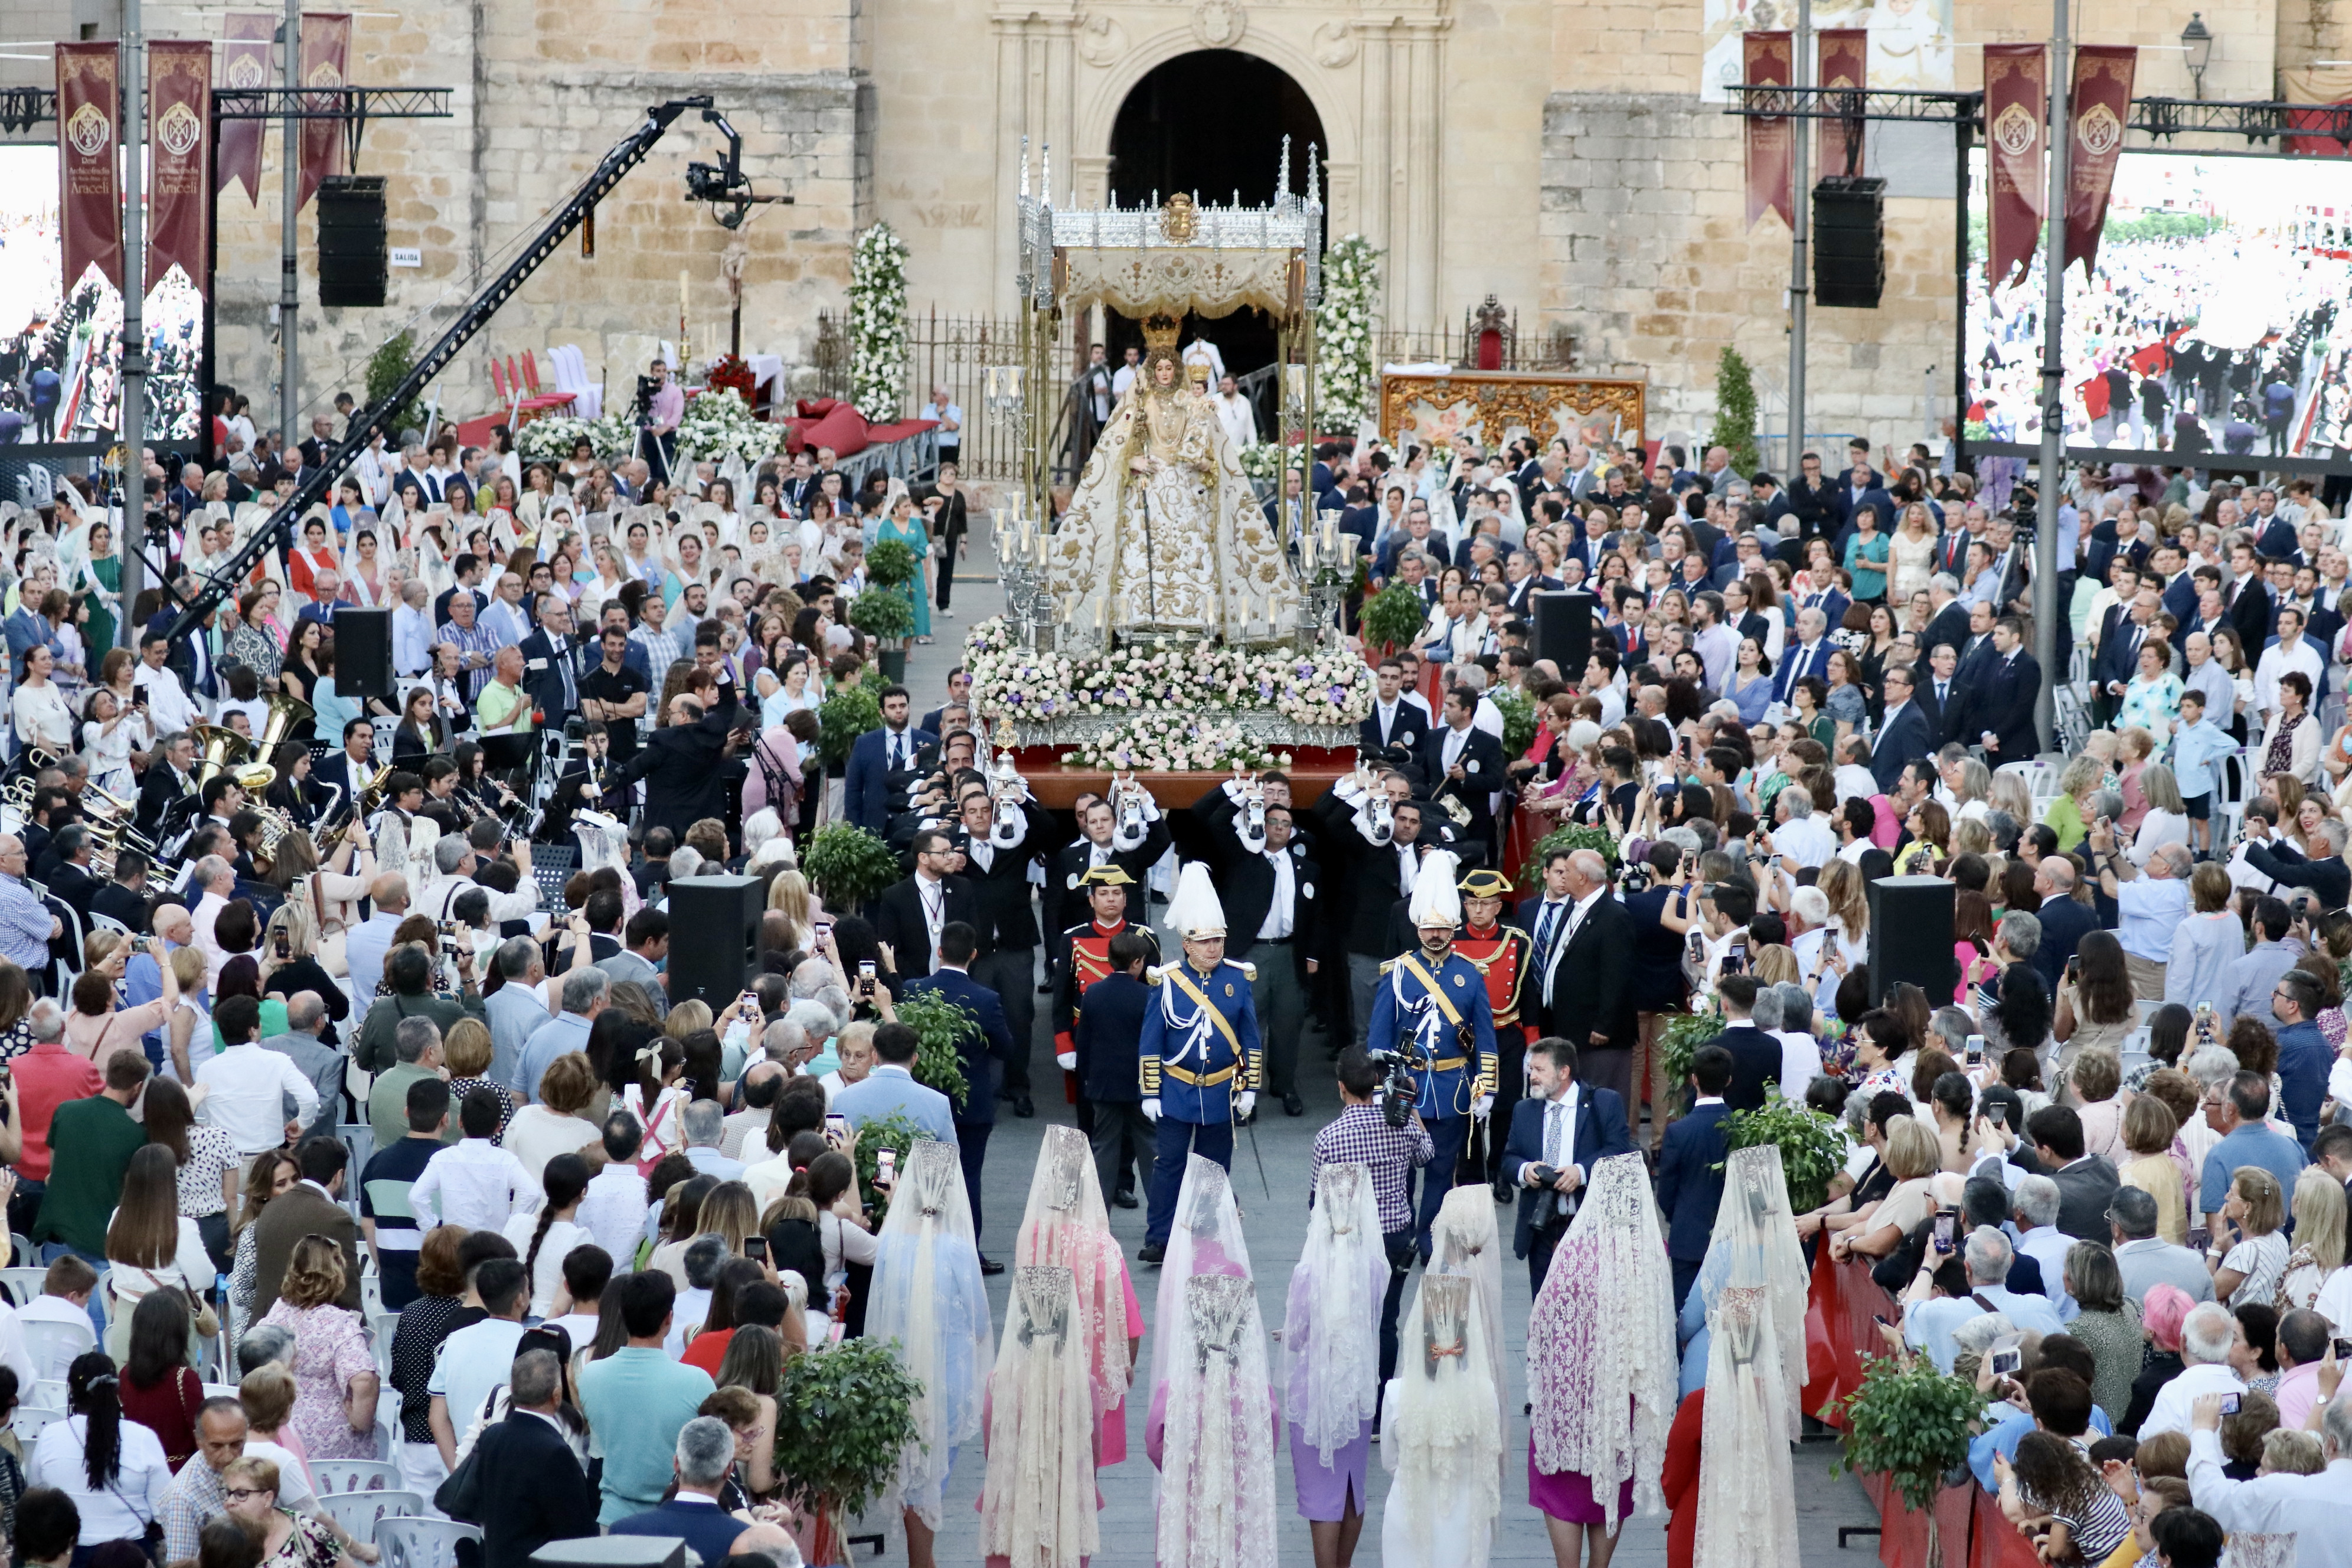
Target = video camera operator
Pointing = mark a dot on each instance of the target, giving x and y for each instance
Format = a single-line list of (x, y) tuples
[(1361, 1135)]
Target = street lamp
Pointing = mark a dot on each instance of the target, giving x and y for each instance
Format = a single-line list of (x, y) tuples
[(2197, 42)]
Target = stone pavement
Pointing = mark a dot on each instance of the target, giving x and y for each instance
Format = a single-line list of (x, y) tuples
[(1274, 1215)]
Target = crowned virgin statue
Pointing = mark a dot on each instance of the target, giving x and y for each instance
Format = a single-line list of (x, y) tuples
[(1164, 536)]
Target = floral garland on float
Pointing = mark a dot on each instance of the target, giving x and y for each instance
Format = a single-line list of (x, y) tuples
[(1343, 335), (878, 323), (1175, 743)]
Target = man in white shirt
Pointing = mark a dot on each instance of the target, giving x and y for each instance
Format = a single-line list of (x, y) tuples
[(2205, 1338), (613, 1210), (412, 630), (1805, 839), (169, 707), (214, 880), (474, 1182), (2293, 650), (1124, 376), (244, 1084), (1234, 413), (2316, 1510), (505, 619), (1929, 1324), (366, 943), (704, 1122), (475, 1361)]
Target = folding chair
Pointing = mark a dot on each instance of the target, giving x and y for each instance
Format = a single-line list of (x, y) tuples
[(28, 1420)]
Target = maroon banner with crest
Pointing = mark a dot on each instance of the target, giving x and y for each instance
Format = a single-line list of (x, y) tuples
[(326, 44), (245, 65), (1769, 61), (89, 188), (2102, 106), (1844, 64), (179, 199), (2017, 102)]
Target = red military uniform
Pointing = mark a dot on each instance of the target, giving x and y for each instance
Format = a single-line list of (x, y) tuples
[(1502, 954)]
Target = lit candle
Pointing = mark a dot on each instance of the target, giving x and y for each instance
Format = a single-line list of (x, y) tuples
[(682, 276)]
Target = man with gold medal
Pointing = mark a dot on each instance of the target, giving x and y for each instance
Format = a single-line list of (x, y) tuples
[(1083, 959), (1164, 537)]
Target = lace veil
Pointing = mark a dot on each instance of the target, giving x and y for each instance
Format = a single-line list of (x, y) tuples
[(928, 1295), (1754, 1243), (1443, 1437), (1464, 1241), (1601, 1372), (1330, 1335), (1038, 1504), (1065, 1223)]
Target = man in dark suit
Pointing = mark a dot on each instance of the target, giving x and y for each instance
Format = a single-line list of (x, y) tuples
[(312, 1206), (2246, 597), (1948, 623), (686, 763), (2085, 1182), (1109, 1026), (71, 879), (124, 899), (1371, 878), (1755, 1055), (1564, 1127), (1904, 735), (1395, 719), (2003, 714), (2121, 632), (998, 859), (164, 783), (975, 1115), (916, 912), (1108, 836), (706, 1452), (553, 662), (1585, 995), (524, 1488), (876, 755), (1269, 888), (1690, 1166), (1464, 762)]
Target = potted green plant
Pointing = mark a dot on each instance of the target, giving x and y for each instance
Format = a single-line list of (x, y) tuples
[(939, 1022), (845, 1413), (1811, 1151), (1680, 1040), (886, 613), (847, 712), (1519, 710), (1912, 1424), (1393, 618), (1568, 836), (890, 564), (848, 865)]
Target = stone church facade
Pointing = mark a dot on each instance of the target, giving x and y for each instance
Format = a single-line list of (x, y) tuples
[(1562, 157)]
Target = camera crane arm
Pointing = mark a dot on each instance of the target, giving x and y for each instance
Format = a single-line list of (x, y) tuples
[(624, 156)]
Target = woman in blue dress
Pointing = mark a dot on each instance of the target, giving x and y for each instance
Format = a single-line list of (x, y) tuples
[(901, 524)]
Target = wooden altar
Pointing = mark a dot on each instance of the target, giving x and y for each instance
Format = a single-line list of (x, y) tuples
[(1056, 787), (1493, 405)]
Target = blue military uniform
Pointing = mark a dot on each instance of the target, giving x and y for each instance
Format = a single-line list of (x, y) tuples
[(1198, 1054), (1444, 1016)]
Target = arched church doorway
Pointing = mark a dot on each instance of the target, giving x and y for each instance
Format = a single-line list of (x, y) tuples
[(1211, 123)]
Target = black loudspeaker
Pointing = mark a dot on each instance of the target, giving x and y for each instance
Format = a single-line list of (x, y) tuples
[(1911, 936), (1849, 242), (352, 250), (723, 914), (613, 1552), (1564, 631), (363, 654)]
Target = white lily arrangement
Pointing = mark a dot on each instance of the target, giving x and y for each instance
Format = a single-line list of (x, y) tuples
[(1313, 686)]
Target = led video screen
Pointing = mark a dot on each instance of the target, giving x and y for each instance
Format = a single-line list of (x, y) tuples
[(2210, 324), (76, 333)]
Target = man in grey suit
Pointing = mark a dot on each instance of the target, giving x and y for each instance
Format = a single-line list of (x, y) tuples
[(646, 940), (514, 1009), (891, 1085), (2146, 1259), (315, 1060)]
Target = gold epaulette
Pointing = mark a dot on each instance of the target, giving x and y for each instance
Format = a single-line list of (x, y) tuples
[(1154, 973), (1248, 968), (1387, 965)]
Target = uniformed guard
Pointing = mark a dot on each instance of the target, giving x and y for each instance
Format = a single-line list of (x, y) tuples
[(1082, 956), (1432, 1007), (1501, 952), (1199, 1055)]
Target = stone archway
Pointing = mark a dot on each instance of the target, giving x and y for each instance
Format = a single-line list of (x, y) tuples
[(1211, 122)]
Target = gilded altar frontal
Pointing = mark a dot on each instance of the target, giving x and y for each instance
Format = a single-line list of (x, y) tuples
[(1572, 161)]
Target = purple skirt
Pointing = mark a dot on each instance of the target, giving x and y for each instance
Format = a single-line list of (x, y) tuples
[(1330, 1493), (1567, 1496)]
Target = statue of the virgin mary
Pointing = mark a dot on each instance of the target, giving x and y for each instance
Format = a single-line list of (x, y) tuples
[(1164, 535)]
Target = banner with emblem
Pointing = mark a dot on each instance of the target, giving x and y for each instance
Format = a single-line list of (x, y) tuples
[(2102, 100), (2017, 101), (326, 48), (1767, 61), (89, 188), (245, 66), (179, 202), (1844, 66)]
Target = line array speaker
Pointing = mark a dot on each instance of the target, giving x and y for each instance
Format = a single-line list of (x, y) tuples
[(354, 252), (1849, 242)]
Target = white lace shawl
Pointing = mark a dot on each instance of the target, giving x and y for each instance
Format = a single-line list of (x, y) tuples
[(1747, 1493), (1330, 1335), (1443, 1434), (1065, 1223), (1038, 1506)]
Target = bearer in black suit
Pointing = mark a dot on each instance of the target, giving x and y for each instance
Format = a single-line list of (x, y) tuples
[(1270, 889), (1558, 1134), (913, 912), (1755, 1055), (1124, 829), (1395, 720), (1690, 1166), (1465, 763), (1005, 833)]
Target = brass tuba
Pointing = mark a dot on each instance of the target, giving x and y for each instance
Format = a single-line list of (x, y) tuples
[(285, 713), (221, 748)]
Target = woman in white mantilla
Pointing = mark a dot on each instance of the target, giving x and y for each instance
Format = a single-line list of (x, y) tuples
[(1165, 535)]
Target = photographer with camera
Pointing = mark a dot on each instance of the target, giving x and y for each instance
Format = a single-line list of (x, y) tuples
[(1389, 1147), (1432, 1019), (1558, 1134)]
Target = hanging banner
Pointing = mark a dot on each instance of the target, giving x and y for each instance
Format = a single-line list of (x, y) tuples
[(2017, 99), (325, 43), (1844, 66), (89, 189), (179, 204), (2102, 106), (1769, 61), (245, 66)]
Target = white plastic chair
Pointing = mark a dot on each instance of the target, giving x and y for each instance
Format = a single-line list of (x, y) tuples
[(220, 1390), (408, 1542), (387, 1423), (358, 1512), (354, 1476), (54, 1345), (104, 922), (48, 1391), (23, 1284), (28, 1420)]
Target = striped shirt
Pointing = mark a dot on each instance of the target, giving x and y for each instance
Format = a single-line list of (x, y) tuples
[(663, 648), (476, 638)]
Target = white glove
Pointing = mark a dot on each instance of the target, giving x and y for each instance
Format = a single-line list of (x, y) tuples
[(1482, 1108), (1152, 1108), (1066, 1060), (1245, 1105)]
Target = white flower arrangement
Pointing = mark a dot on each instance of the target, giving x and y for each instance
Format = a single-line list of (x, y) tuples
[(878, 323), (1343, 333), (1174, 742), (1314, 686), (719, 425), (551, 439), (1267, 460)]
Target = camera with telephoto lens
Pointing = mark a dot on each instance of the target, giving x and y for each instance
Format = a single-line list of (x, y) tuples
[(1399, 1091)]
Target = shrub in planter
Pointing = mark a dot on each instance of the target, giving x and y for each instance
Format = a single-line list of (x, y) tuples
[(848, 865)]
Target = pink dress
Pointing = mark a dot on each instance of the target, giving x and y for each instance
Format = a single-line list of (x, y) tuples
[(329, 1350)]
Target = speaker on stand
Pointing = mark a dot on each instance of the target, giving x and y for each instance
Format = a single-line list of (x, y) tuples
[(1563, 622), (362, 655), (1911, 936), (353, 251), (723, 913)]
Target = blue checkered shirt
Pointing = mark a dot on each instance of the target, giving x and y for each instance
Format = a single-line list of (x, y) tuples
[(663, 648), (479, 640), (1361, 1136)]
